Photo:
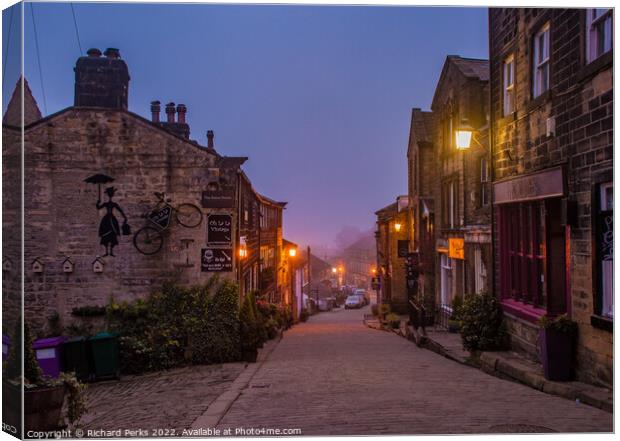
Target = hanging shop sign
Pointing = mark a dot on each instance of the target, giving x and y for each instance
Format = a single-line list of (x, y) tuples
[(216, 260), (219, 229), (539, 185), (218, 199), (456, 247)]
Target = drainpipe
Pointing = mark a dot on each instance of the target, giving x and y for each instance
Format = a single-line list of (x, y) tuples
[(491, 139)]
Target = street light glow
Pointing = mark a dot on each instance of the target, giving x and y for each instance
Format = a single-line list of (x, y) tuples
[(463, 139), (292, 252), (397, 226), (334, 270)]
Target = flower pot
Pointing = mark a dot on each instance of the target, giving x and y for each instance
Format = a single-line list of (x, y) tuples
[(11, 407), (42, 406), (556, 351)]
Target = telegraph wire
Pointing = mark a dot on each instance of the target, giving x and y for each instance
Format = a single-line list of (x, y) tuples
[(36, 42), (77, 33), (8, 45)]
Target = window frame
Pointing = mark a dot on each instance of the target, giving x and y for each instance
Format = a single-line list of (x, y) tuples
[(542, 67), (592, 24), (508, 89)]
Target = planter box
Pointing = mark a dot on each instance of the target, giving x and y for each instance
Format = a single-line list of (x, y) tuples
[(42, 407), (556, 351)]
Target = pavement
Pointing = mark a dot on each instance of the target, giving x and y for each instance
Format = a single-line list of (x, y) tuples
[(332, 376)]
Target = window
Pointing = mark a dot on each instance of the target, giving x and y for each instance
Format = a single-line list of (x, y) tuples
[(598, 33), (523, 253), (605, 251), (509, 85), (446, 280), (450, 204), (480, 271), (484, 179), (540, 62)]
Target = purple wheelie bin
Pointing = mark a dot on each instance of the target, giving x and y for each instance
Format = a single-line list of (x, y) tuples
[(48, 355)]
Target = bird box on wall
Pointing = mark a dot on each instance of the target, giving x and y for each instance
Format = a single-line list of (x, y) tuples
[(97, 265), (7, 265), (67, 266), (37, 266)]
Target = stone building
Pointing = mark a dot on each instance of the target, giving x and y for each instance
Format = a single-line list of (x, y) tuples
[(422, 181), (358, 260), (392, 248), (92, 171), (461, 196), (552, 142)]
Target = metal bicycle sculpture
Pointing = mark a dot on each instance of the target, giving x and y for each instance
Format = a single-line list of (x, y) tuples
[(149, 239)]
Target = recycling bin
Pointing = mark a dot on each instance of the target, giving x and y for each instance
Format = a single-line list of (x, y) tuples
[(47, 352), (104, 350), (6, 346), (77, 358)]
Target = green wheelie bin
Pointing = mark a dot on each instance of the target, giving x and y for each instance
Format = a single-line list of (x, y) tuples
[(104, 351)]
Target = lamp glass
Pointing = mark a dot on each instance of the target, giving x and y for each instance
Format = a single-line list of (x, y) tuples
[(397, 226), (463, 139), (292, 252)]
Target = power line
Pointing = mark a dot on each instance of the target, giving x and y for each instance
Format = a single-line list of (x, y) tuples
[(8, 44), (77, 33), (36, 42)]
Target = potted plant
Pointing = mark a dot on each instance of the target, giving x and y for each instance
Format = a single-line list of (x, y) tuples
[(557, 339), (393, 320), (454, 324), (384, 310), (43, 396)]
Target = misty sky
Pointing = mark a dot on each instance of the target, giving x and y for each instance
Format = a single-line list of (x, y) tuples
[(318, 97)]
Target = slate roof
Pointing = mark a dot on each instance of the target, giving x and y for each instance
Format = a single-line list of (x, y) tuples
[(471, 67), (13, 114), (422, 124), (232, 161)]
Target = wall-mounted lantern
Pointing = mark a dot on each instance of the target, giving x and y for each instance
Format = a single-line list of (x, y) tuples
[(397, 226), (37, 266), (67, 265), (98, 265)]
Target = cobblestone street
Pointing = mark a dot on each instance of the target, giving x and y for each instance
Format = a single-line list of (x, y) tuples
[(332, 375), (169, 400)]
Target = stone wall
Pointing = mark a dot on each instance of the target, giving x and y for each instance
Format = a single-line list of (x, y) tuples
[(62, 219), (580, 102)]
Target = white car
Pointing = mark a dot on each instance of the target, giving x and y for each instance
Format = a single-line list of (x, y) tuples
[(363, 294), (354, 302)]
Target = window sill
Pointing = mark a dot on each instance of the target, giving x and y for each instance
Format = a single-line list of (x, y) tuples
[(604, 323), (539, 100), (592, 68), (507, 119), (521, 310)]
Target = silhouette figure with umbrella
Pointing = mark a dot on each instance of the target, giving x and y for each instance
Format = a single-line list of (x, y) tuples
[(108, 228)]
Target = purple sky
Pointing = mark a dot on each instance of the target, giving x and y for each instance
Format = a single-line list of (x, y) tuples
[(318, 97)]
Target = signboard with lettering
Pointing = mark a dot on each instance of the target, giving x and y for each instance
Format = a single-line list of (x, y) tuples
[(539, 185), (161, 217), (216, 260), (219, 229), (456, 247), (218, 199)]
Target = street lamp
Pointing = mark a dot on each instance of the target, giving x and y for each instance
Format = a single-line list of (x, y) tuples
[(334, 270), (292, 252), (243, 252), (397, 226), (463, 136)]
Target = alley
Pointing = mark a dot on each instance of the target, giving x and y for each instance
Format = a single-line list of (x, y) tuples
[(332, 375)]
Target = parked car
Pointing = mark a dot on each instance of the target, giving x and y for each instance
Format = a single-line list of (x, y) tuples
[(326, 304), (364, 294), (354, 302)]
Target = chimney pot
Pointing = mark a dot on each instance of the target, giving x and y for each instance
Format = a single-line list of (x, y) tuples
[(170, 112), (112, 52), (181, 110), (93, 52), (210, 137), (155, 109)]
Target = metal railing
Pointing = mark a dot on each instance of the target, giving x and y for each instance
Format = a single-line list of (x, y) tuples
[(442, 316)]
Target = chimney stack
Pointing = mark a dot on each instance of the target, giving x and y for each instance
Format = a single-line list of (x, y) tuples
[(210, 137), (101, 81), (181, 110), (155, 109), (170, 112)]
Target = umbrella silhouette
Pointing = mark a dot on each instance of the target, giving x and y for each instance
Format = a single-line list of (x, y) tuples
[(99, 179)]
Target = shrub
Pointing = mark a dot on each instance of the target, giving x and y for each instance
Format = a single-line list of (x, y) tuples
[(481, 323), (303, 315), (384, 309), (250, 338), (218, 340), (562, 324), (374, 309), (393, 320), (457, 305)]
